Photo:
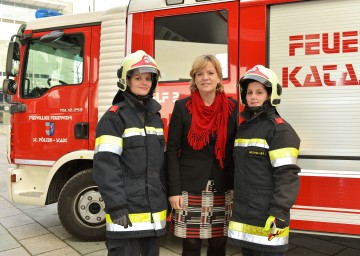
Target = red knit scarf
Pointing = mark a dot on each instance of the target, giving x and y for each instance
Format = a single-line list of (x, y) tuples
[(207, 120)]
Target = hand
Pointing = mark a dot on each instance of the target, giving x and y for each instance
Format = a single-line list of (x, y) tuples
[(176, 202), (123, 221), (271, 223), (232, 194)]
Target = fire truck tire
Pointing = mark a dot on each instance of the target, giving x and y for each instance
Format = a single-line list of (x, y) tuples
[(81, 208)]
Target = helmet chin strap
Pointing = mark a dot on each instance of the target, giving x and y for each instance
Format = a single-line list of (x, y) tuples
[(254, 109), (141, 97), (264, 106)]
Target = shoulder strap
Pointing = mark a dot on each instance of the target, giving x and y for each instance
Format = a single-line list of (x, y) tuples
[(116, 107), (276, 119)]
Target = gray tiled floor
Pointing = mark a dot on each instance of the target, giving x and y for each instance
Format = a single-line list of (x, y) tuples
[(36, 230)]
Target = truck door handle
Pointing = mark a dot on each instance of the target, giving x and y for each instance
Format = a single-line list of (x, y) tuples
[(81, 130), (17, 107)]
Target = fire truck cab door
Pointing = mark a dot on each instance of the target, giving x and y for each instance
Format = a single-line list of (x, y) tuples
[(54, 88), (177, 36)]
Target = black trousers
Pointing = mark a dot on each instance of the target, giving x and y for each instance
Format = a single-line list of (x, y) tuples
[(250, 252), (147, 246)]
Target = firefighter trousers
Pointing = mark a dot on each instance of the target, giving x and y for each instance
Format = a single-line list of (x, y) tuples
[(249, 252), (145, 246)]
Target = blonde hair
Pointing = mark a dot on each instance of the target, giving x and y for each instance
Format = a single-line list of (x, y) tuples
[(199, 63)]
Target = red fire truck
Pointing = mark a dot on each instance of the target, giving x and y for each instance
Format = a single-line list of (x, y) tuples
[(61, 78)]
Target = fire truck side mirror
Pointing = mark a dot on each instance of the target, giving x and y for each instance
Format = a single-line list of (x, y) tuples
[(9, 86), (12, 59)]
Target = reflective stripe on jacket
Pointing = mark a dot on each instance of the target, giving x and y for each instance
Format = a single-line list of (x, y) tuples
[(256, 235), (140, 221)]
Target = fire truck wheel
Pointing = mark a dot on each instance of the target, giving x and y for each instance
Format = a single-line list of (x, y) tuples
[(81, 208)]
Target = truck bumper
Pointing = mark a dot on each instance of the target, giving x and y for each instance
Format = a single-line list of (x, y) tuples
[(26, 184)]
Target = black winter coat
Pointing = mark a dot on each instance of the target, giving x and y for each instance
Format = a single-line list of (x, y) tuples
[(188, 169)]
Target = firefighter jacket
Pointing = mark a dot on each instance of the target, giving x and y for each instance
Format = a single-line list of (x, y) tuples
[(129, 164), (266, 180)]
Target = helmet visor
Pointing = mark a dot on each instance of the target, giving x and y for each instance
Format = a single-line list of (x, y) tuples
[(244, 81), (141, 70)]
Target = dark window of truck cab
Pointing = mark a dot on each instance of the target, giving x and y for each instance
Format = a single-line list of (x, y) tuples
[(180, 39), (49, 64)]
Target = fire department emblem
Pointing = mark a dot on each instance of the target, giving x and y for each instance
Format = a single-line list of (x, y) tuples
[(49, 128), (146, 59)]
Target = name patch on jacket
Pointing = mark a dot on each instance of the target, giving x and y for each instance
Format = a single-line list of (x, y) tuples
[(255, 153)]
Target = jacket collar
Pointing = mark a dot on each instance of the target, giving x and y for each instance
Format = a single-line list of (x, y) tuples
[(149, 106), (249, 116)]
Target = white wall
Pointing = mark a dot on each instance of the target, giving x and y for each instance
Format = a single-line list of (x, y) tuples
[(81, 6), (7, 30)]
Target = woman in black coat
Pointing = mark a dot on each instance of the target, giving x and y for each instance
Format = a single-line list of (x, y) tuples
[(199, 160)]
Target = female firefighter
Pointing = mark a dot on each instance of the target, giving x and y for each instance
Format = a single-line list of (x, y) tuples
[(129, 161), (266, 171)]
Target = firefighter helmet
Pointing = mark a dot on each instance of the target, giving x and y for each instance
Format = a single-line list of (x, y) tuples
[(265, 76), (142, 62)]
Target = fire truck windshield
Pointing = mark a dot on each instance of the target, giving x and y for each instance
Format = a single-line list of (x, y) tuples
[(51, 64)]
